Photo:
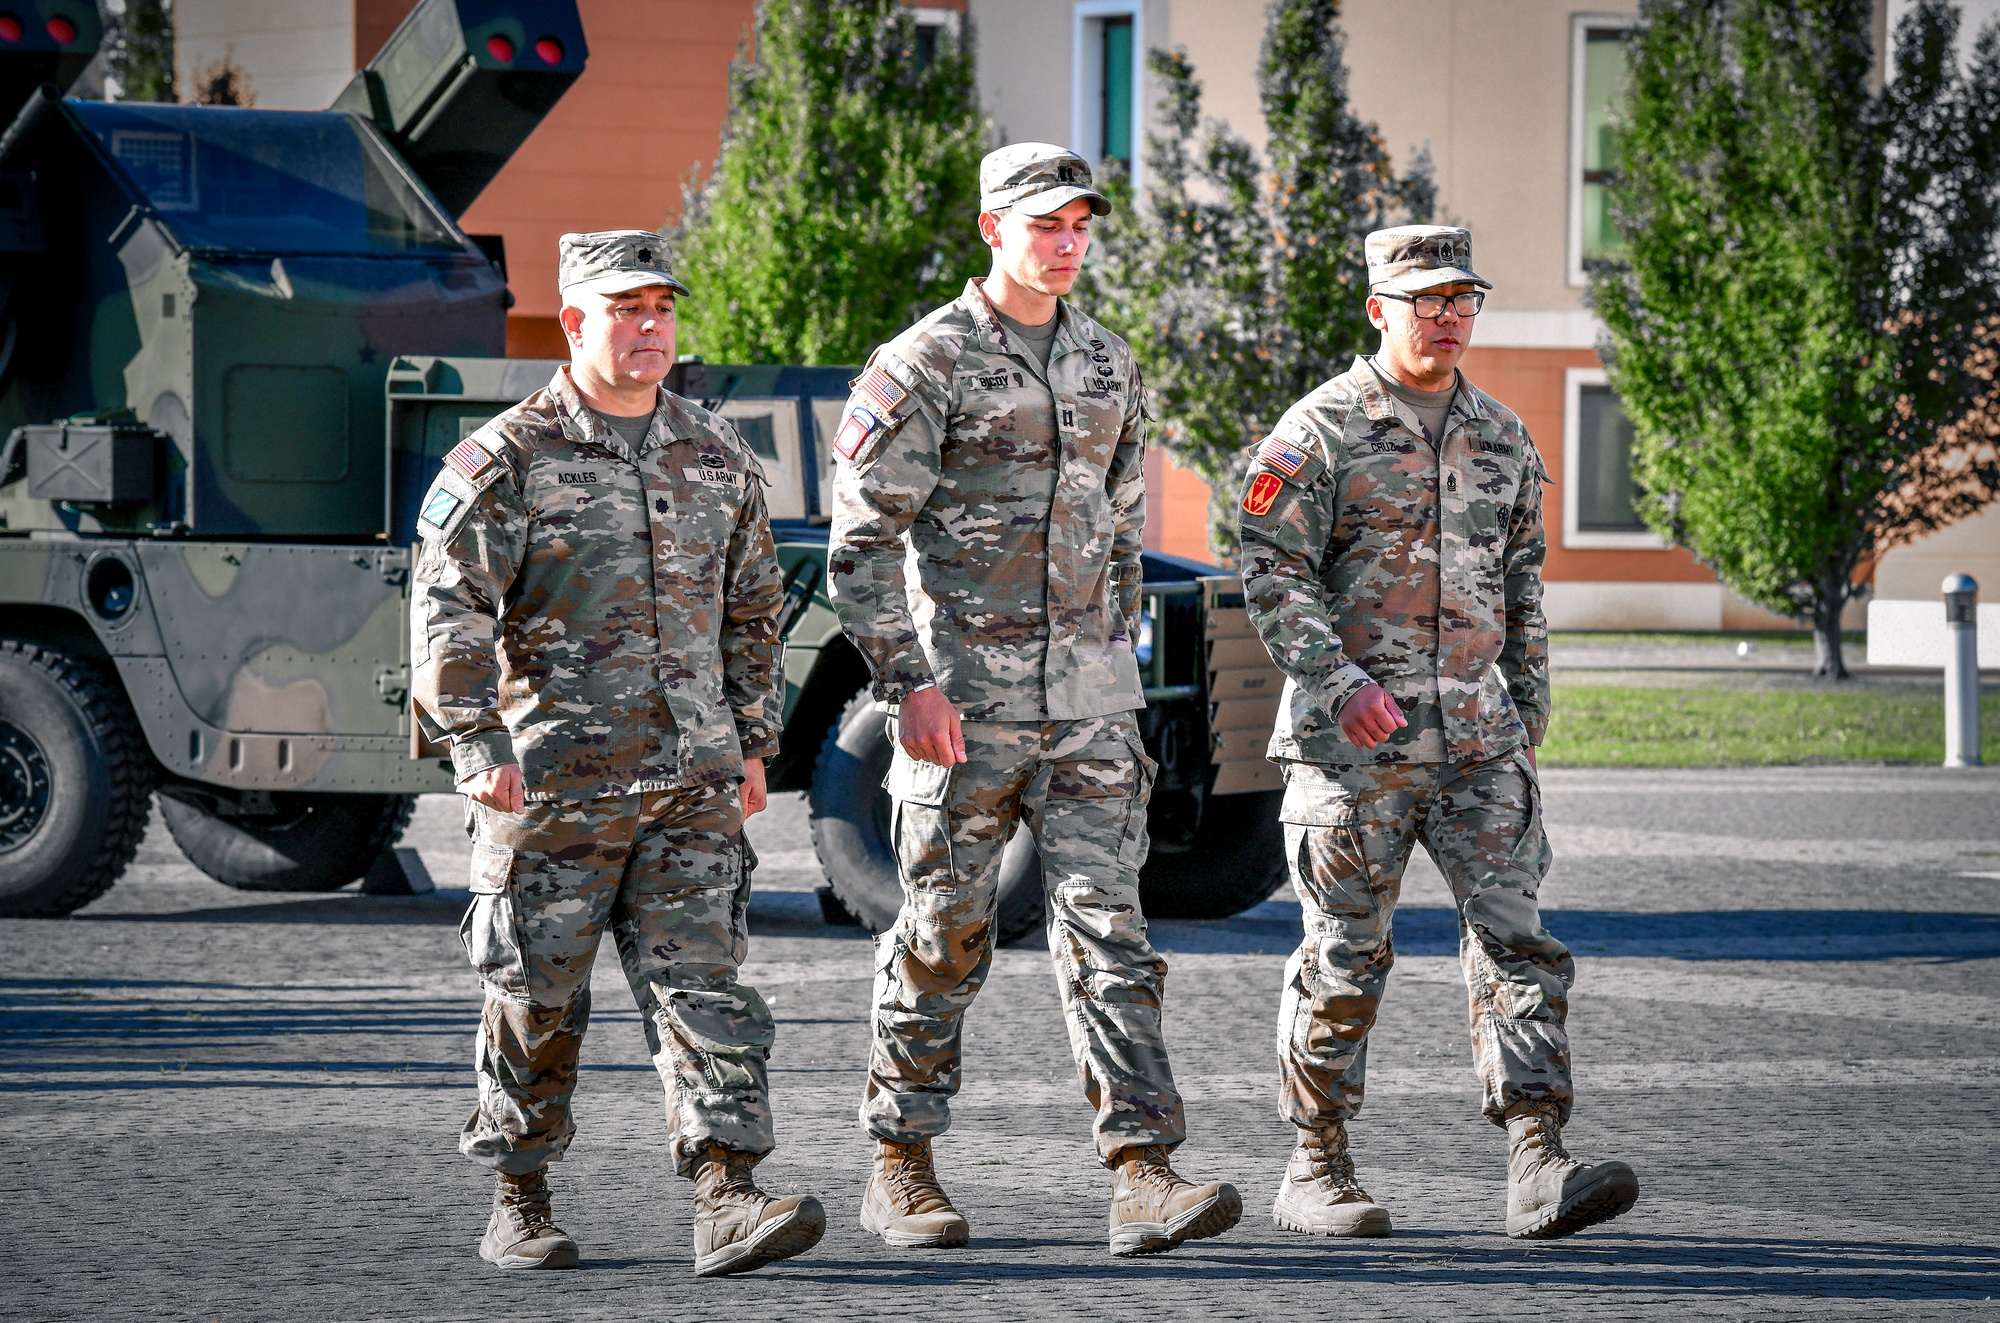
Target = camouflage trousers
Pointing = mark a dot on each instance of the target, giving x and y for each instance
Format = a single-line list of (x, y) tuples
[(667, 871), (1348, 835), (1080, 787)]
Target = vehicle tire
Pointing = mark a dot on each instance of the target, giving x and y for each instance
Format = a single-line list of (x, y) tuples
[(1236, 860), (313, 842), (850, 812), (76, 781)]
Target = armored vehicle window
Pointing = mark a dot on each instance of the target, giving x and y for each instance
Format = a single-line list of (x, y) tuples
[(269, 181)]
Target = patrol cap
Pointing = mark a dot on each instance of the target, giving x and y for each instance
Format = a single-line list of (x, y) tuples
[(615, 262), (1038, 178), (1412, 258)]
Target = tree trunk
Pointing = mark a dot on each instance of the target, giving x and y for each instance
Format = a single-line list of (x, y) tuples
[(1826, 631)]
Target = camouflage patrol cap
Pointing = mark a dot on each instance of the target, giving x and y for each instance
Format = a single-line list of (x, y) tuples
[(1038, 178), (1412, 258), (615, 262)]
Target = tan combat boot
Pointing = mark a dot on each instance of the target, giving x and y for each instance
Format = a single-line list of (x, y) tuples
[(905, 1205), (1153, 1209), (522, 1233), (1319, 1195), (739, 1228), (1550, 1193)]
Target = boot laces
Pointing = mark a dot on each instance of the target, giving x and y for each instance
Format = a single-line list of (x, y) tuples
[(730, 1182), (526, 1199), (912, 1178), (1327, 1158), (1152, 1171)]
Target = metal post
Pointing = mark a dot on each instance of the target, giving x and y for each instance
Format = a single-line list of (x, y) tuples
[(1961, 671)]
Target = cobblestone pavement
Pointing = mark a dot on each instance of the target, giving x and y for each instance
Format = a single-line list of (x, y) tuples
[(232, 1106)]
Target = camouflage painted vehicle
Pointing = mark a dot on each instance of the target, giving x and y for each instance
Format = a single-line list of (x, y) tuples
[(202, 590), (257, 334)]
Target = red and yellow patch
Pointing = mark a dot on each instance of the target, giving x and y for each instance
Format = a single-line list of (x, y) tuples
[(1263, 492)]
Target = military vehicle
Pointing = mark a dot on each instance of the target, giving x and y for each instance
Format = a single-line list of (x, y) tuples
[(258, 333)]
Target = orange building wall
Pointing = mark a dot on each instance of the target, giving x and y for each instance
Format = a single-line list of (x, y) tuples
[(1530, 382)]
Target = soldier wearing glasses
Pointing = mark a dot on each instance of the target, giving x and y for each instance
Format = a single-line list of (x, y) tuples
[(1392, 556)]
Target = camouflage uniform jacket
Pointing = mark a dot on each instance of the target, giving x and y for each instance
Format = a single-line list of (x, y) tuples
[(1370, 555), (1016, 497), (606, 617)]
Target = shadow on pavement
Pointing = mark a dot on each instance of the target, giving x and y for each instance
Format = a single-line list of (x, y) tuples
[(1690, 1266), (1273, 927)]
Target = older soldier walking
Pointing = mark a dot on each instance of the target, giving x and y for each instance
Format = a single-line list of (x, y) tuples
[(594, 630), (1392, 556), (985, 561)]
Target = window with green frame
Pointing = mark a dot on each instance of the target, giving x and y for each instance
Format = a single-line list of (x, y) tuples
[(1603, 72), (1117, 84)]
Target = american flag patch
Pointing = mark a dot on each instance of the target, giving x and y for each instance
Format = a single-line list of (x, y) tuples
[(882, 388), (470, 458), (1283, 456)]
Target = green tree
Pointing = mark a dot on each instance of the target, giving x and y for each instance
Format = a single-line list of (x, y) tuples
[(842, 207), (139, 49), (1240, 282), (1804, 323)]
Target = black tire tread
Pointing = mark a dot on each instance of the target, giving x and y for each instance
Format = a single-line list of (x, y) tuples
[(393, 817), (129, 765)]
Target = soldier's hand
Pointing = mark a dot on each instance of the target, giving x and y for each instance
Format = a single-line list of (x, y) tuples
[(498, 787), (1370, 717), (756, 794), (927, 725)]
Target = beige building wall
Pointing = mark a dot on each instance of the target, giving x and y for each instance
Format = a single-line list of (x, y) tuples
[(296, 54)]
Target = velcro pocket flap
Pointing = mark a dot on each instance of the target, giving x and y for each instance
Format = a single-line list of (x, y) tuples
[(914, 781), (492, 869), (1315, 803)]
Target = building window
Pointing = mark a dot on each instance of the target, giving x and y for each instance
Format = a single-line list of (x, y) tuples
[(1107, 117), (1597, 74), (931, 22), (1600, 497), (1117, 107)]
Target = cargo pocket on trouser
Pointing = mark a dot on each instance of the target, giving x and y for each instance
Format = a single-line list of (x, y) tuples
[(491, 929)]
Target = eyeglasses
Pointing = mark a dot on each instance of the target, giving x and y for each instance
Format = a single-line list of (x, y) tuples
[(1430, 307)]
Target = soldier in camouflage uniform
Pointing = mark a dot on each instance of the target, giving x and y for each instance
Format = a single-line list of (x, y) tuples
[(1392, 555), (996, 450), (594, 632)]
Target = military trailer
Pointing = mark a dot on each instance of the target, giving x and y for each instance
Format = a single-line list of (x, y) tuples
[(257, 335)]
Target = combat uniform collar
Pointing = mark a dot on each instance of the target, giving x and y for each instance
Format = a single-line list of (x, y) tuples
[(1070, 336), (1467, 405), (579, 421)]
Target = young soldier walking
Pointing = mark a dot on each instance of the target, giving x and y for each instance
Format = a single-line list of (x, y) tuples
[(594, 630), (1392, 556), (995, 449)]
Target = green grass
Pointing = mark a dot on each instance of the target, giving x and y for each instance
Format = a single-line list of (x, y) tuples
[(1774, 638), (1603, 725)]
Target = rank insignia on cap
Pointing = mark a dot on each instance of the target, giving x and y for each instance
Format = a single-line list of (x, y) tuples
[(1262, 494), (882, 388), (470, 458), (439, 507), (855, 431), (1282, 455)]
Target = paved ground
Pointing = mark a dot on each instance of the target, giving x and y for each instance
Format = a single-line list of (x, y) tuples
[(1788, 1020)]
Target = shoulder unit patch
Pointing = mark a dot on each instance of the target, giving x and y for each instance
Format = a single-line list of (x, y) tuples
[(1263, 494), (854, 433)]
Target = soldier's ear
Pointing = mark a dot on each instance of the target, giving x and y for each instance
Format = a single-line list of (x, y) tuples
[(572, 324), (1376, 317), (989, 228)]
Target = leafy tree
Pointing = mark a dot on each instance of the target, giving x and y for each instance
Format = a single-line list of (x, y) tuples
[(842, 207), (1804, 323), (1240, 283), (139, 49)]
